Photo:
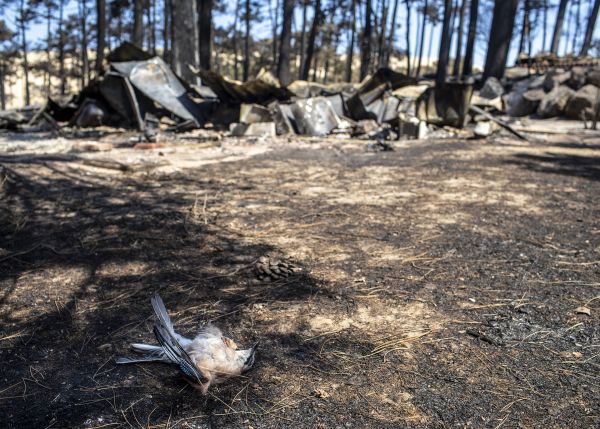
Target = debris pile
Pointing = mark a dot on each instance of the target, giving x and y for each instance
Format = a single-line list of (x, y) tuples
[(140, 91)]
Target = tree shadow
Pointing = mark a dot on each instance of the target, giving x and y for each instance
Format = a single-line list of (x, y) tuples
[(81, 255), (587, 167)]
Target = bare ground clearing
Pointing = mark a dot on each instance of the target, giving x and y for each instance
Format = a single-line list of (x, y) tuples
[(445, 284)]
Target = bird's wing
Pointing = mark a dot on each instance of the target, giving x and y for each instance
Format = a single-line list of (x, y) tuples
[(161, 313), (178, 355)]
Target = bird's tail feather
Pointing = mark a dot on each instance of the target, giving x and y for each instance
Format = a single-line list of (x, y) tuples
[(147, 358), (162, 314), (145, 348)]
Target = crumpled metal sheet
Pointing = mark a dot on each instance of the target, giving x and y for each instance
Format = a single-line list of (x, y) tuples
[(315, 116), (252, 91), (119, 95), (156, 81)]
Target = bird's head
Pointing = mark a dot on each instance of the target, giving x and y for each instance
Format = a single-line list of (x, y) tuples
[(246, 357)]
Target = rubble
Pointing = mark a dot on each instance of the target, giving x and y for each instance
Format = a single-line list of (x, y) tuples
[(140, 91), (257, 129), (555, 101), (584, 104), (315, 116), (492, 88)]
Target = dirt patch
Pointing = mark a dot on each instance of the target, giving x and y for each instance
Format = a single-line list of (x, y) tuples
[(440, 287)]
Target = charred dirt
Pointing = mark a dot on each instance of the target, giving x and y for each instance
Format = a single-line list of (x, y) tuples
[(446, 283)]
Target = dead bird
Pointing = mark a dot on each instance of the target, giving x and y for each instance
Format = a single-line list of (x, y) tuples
[(209, 358)]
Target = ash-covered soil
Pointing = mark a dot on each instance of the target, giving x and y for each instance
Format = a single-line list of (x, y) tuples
[(446, 284)]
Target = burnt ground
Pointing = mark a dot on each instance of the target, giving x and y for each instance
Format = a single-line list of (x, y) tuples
[(442, 285)]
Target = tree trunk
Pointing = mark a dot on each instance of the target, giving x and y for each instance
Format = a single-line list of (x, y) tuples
[(61, 49), (21, 22), (312, 36), (560, 18), (587, 41), (577, 27), (275, 27), (153, 26), (390, 43), (569, 14), (205, 32), (422, 37), (48, 74), (85, 63), (452, 26), (418, 41), (503, 23), (442, 66), (246, 65), (365, 55), (468, 63), (430, 48), (382, 39), (407, 37), (283, 65), (2, 91), (138, 22), (544, 24), (303, 37), (167, 31), (524, 27), (101, 32), (184, 45), (350, 54), (459, 34), (235, 40)]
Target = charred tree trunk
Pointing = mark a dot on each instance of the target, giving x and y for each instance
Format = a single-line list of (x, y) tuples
[(283, 65), (503, 22), (21, 22), (274, 29), (442, 66), (246, 64), (312, 36), (422, 37), (459, 40), (350, 54), (101, 32), (167, 31), (452, 27), (591, 24), (560, 18), (138, 23), (61, 49), (524, 27), (382, 39), (2, 91), (85, 63), (235, 40), (418, 40), (365, 54), (473, 13), (407, 37), (390, 42), (303, 37), (48, 74), (205, 32), (577, 30), (184, 48)]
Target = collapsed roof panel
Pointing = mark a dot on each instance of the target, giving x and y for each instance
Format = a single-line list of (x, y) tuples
[(156, 81), (252, 91)]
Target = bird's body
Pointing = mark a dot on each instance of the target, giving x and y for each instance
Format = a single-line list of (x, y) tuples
[(209, 358)]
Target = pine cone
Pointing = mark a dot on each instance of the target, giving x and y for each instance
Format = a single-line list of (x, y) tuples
[(269, 269)]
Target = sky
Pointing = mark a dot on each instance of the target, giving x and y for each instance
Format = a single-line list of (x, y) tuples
[(263, 29)]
